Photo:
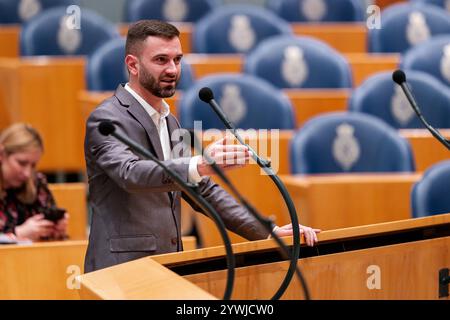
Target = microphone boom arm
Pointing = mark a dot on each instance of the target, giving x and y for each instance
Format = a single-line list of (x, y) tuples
[(190, 190)]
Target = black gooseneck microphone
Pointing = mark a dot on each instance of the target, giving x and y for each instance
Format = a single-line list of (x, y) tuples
[(268, 224), (107, 127), (399, 77), (206, 95)]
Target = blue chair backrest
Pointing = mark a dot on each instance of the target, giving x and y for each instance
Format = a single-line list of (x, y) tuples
[(318, 10), (445, 4), (430, 195), (249, 102), (106, 68), (236, 29), (298, 62), (167, 10), (53, 32), (432, 57), (406, 25), (348, 142), (20, 11), (381, 97)]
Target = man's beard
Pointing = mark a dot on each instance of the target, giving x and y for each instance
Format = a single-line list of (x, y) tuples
[(150, 83)]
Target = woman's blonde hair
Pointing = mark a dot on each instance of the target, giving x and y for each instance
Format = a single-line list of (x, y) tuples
[(21, 137)]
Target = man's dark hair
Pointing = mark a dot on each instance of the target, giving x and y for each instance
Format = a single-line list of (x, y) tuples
[(140, 30)]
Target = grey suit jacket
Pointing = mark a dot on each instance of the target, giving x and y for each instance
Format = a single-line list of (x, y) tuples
[(134, 212)]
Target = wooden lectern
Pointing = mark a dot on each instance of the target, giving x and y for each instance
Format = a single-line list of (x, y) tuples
[(393, 260)]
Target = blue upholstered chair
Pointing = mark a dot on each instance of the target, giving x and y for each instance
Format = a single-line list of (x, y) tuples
[(249, 102), (20, 11), (53, 32), (167, 10), (236, 29), (298, 62), (406, 25), (318, 10), (445, 4), (106, 68), (349, 142), (432, 57), (430, 195), (381, 97)]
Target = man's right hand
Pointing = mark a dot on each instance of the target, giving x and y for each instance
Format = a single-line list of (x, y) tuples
[(226, 155)]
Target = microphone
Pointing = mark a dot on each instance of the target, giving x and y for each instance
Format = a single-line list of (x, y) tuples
[(399, 77), (107, 127), (206, 95), (268, 224)]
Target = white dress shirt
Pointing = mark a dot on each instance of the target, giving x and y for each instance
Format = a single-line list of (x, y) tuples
[(160, 120)]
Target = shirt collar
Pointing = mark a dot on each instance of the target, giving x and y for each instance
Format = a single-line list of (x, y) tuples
[(151, 111)]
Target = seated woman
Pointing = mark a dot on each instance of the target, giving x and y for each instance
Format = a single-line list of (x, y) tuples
[(27, 207)]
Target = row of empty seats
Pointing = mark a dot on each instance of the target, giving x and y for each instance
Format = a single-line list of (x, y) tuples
[(230, 29), (351, 143), (251, 102), (286, 62), (19, 11)]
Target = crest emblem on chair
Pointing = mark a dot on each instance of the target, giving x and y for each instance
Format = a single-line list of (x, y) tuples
[(294, 68), (175, 10), (445, 63), (346, 150), (28, 9), (314, 10), (232, 103), (400, 109), (69, 39), (417, 29), (241, 35)]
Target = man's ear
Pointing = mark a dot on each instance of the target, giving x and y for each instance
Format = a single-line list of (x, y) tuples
[(132, 64)]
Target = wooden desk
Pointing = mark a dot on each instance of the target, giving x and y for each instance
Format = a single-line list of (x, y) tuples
[(344, 37), (308, 103), (427, 150), (44, 270), (408, 255), (364, 65), (9, 41), (385, 3), (47, 270), (338, 201), (43, 92), (72, 197), (327, 203)]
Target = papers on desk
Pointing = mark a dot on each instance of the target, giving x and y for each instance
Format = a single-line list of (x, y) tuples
[(10, 239)]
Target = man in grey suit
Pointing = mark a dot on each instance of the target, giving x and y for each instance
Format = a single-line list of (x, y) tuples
[(135, 205)]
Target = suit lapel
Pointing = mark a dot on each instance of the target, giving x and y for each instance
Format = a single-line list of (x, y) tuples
[(141, 116), (172, 125)]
